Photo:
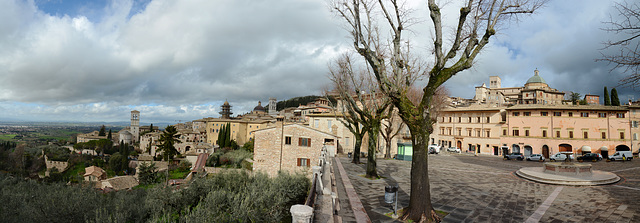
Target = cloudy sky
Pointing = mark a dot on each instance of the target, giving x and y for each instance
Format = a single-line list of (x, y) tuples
[(173, 60)]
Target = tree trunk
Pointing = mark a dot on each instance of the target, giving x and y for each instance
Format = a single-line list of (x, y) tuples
[(420, 208), (355, 157), (387, 154), (371, 156)]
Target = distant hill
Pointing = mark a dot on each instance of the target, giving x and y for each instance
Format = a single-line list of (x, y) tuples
[(295, 102)]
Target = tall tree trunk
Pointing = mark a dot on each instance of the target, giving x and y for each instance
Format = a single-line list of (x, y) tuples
[(371, 156), (420, 206), (355, 157), (387, 154)]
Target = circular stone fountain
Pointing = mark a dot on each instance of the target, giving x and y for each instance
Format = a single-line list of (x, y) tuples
[(567, 173)]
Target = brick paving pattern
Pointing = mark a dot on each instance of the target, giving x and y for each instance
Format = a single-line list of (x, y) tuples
[(485, 189)]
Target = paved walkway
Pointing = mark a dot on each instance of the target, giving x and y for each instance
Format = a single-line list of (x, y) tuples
[(484, 189)]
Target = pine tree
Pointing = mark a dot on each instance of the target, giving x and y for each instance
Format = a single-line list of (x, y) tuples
[(607, 100), (615, 101), (102, 131)]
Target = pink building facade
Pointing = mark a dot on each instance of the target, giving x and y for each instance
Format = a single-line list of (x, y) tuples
[(544, 129)]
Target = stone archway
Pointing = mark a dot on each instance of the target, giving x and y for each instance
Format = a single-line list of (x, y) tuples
[(565, 148), (515, 148), (622, 148), (528, 150), (545, 151)]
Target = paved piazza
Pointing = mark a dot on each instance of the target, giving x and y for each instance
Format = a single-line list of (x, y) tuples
[(485, 189)]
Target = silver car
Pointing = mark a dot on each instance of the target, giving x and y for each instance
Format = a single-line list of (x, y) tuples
[(536, 157), (454, 149)]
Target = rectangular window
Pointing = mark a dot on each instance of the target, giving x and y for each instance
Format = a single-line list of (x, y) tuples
[(478, 133), (459, 119), (478, 119), (516, 132), (459, 132), (526, 132), (544, 133), (449, 119), (570, 114), (635, 136), (287, 140), (316, 123), (604, 135), (526, 113), (488, 119), (557, 134), (585, 135), (620, 115), (634, 124), (488, 132), (346, 141), (304, 162), (469, 119), (304, 142), (469, 132), (584, 114), (621, 135), (329, 125), (571, 134), (516, 113), (544, 113), (557, 113), (602, 115), (504, 132)]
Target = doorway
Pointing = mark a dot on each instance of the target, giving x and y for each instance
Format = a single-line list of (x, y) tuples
[(528, 151), (545, 151)]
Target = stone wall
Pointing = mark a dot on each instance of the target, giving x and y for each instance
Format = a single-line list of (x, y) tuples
[(271, 154)]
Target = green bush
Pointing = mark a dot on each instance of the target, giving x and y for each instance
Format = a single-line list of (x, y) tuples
[(235, 157)]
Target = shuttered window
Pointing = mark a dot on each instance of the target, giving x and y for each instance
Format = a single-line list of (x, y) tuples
[(304, 142)]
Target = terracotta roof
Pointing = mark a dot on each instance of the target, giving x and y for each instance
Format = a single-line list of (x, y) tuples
[(567, 107), (121, 182), (95, 171)]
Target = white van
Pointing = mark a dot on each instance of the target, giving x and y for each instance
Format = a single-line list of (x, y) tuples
[(621, 155)]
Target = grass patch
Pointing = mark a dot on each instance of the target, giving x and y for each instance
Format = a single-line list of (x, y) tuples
[(7, 137), (177, 174), (365, 176), (440, 214)]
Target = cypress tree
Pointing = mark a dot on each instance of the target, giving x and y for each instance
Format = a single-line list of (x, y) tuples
[(615, 101), (607, 100), (227, 138), (109, 136)]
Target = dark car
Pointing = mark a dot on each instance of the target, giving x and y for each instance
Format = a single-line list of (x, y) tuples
[(589, 157), (516, 156)]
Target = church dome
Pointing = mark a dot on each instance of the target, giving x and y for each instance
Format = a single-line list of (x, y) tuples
[(259, 107), (536, 78)]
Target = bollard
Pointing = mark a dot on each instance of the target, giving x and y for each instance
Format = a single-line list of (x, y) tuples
[(301, 213)]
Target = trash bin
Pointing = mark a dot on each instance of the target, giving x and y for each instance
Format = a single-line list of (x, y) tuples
[(349, 154), (390, 194)]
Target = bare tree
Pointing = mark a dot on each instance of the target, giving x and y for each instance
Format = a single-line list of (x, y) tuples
[(365, 107), (390, 60), (626, 25), (390, 129)]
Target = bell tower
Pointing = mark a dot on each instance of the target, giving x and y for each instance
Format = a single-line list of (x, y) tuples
[(272, 107), (135, 125)]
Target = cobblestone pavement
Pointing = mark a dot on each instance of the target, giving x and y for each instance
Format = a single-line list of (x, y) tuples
[(485, 189)]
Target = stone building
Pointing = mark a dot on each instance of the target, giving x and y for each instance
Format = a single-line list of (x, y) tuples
[(242, 127), (290, 147), (592, 99), (89, 136), (548, 129), (535, 91), (94, 174), (473, 129)]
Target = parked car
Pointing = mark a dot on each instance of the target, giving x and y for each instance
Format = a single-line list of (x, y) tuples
[(454, 150), (621, 155), (434, 149), (589, 157), (516, 156), (536, 157), (559, 157)]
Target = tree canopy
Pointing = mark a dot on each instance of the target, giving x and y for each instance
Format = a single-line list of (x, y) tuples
[(167, 141)]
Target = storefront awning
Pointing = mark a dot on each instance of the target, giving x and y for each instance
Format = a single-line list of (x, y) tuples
[(604, 148), (586, 149)]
